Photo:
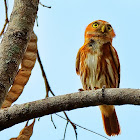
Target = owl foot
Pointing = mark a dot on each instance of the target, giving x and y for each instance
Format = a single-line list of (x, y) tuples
[(103, 91), (96, 88), (80, 89)]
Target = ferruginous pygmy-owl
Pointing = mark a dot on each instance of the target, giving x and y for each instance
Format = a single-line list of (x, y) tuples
[(97, 63)]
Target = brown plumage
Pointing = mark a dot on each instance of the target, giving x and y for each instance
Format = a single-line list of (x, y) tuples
[(97, 63)]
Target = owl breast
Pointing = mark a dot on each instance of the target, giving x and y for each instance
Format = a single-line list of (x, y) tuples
[(98, 70)]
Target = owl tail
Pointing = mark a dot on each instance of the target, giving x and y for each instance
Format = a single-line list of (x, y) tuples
[(110, 120)]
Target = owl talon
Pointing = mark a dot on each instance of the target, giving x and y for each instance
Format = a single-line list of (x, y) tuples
[(96, 88), (103, 91), (80, 89)]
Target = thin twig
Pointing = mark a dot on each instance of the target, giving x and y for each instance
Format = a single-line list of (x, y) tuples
[(48, 88), (6, 18), (46, 83), (65, 130), (44, 5), (44, 76), (84, 128), (53, 122), (36, 19), (27, 123), (73, 125), (52, 92)]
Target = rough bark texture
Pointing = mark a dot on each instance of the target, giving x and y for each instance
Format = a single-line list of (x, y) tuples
[(14, 42), (24, 72), (19, 113)]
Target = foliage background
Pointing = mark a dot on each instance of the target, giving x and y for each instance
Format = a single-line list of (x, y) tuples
[(60, 35)]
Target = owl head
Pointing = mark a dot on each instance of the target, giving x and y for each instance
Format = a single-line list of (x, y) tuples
[(99, 29)]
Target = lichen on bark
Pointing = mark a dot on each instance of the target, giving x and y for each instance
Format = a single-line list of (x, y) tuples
[(14, 42)]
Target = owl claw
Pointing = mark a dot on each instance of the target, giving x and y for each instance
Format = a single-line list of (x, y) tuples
[(80, 89), (103, 91), (96, 88)]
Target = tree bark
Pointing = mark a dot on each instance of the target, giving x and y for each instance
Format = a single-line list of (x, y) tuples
[(113, 96), (14, 41)]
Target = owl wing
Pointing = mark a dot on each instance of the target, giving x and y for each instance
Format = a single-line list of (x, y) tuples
[(78, 62), (116, 62)]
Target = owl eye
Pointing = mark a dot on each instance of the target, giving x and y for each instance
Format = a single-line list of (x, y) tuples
[(95, 25), (109, 27)]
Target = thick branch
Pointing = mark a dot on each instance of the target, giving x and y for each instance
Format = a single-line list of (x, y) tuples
[(19, 113), (15, 41)]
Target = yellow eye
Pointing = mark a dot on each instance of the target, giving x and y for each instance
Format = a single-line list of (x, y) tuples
[(95, 25), (109, 27)]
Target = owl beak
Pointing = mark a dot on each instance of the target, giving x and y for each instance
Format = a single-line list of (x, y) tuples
[(103, 29)]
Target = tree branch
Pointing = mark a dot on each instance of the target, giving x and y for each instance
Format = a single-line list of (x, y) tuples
[(6, 18), (113, 96), (15, 40)]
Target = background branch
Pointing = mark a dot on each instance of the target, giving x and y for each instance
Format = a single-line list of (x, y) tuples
[(44, 5), (113, 96), (6, 18), (48, 88), (14, 41)]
